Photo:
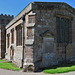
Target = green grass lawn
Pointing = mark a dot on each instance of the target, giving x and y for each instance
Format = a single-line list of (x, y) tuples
[(9, 66), (60, 69), (1, 60)]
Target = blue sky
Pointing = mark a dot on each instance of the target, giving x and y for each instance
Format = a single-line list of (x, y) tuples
[(13, 7)]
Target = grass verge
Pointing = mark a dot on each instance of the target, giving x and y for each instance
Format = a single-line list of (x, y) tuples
[(9, 66), (1, 60), (60, 69)]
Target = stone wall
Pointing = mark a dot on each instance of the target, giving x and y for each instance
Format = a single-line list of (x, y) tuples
[(46, 21), (4, 20), (2, 41), (29, 41), (17, 56), (41, 48)]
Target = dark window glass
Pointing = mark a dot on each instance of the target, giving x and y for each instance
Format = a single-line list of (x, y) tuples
[(8, 40), (67, 30), (62, 30), (58, 29), (12, 36), (19, 36)]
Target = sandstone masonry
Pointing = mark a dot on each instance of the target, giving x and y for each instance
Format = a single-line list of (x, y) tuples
[(48, 33)]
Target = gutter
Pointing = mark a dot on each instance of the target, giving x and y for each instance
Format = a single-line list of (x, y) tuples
[(23, 18)]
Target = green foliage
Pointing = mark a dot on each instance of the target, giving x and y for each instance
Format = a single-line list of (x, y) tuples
[(62, 69)]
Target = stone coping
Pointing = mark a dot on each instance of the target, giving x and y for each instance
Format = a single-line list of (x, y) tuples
[(31, 25), (29, 42), (30, 14)]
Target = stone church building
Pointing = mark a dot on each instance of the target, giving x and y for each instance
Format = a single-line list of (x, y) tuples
[(42, 35), (4, 20)]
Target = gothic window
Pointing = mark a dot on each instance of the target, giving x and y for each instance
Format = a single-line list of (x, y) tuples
[(19, 35), (12, 36), (8, 40), (63, 29), (31, 19)]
